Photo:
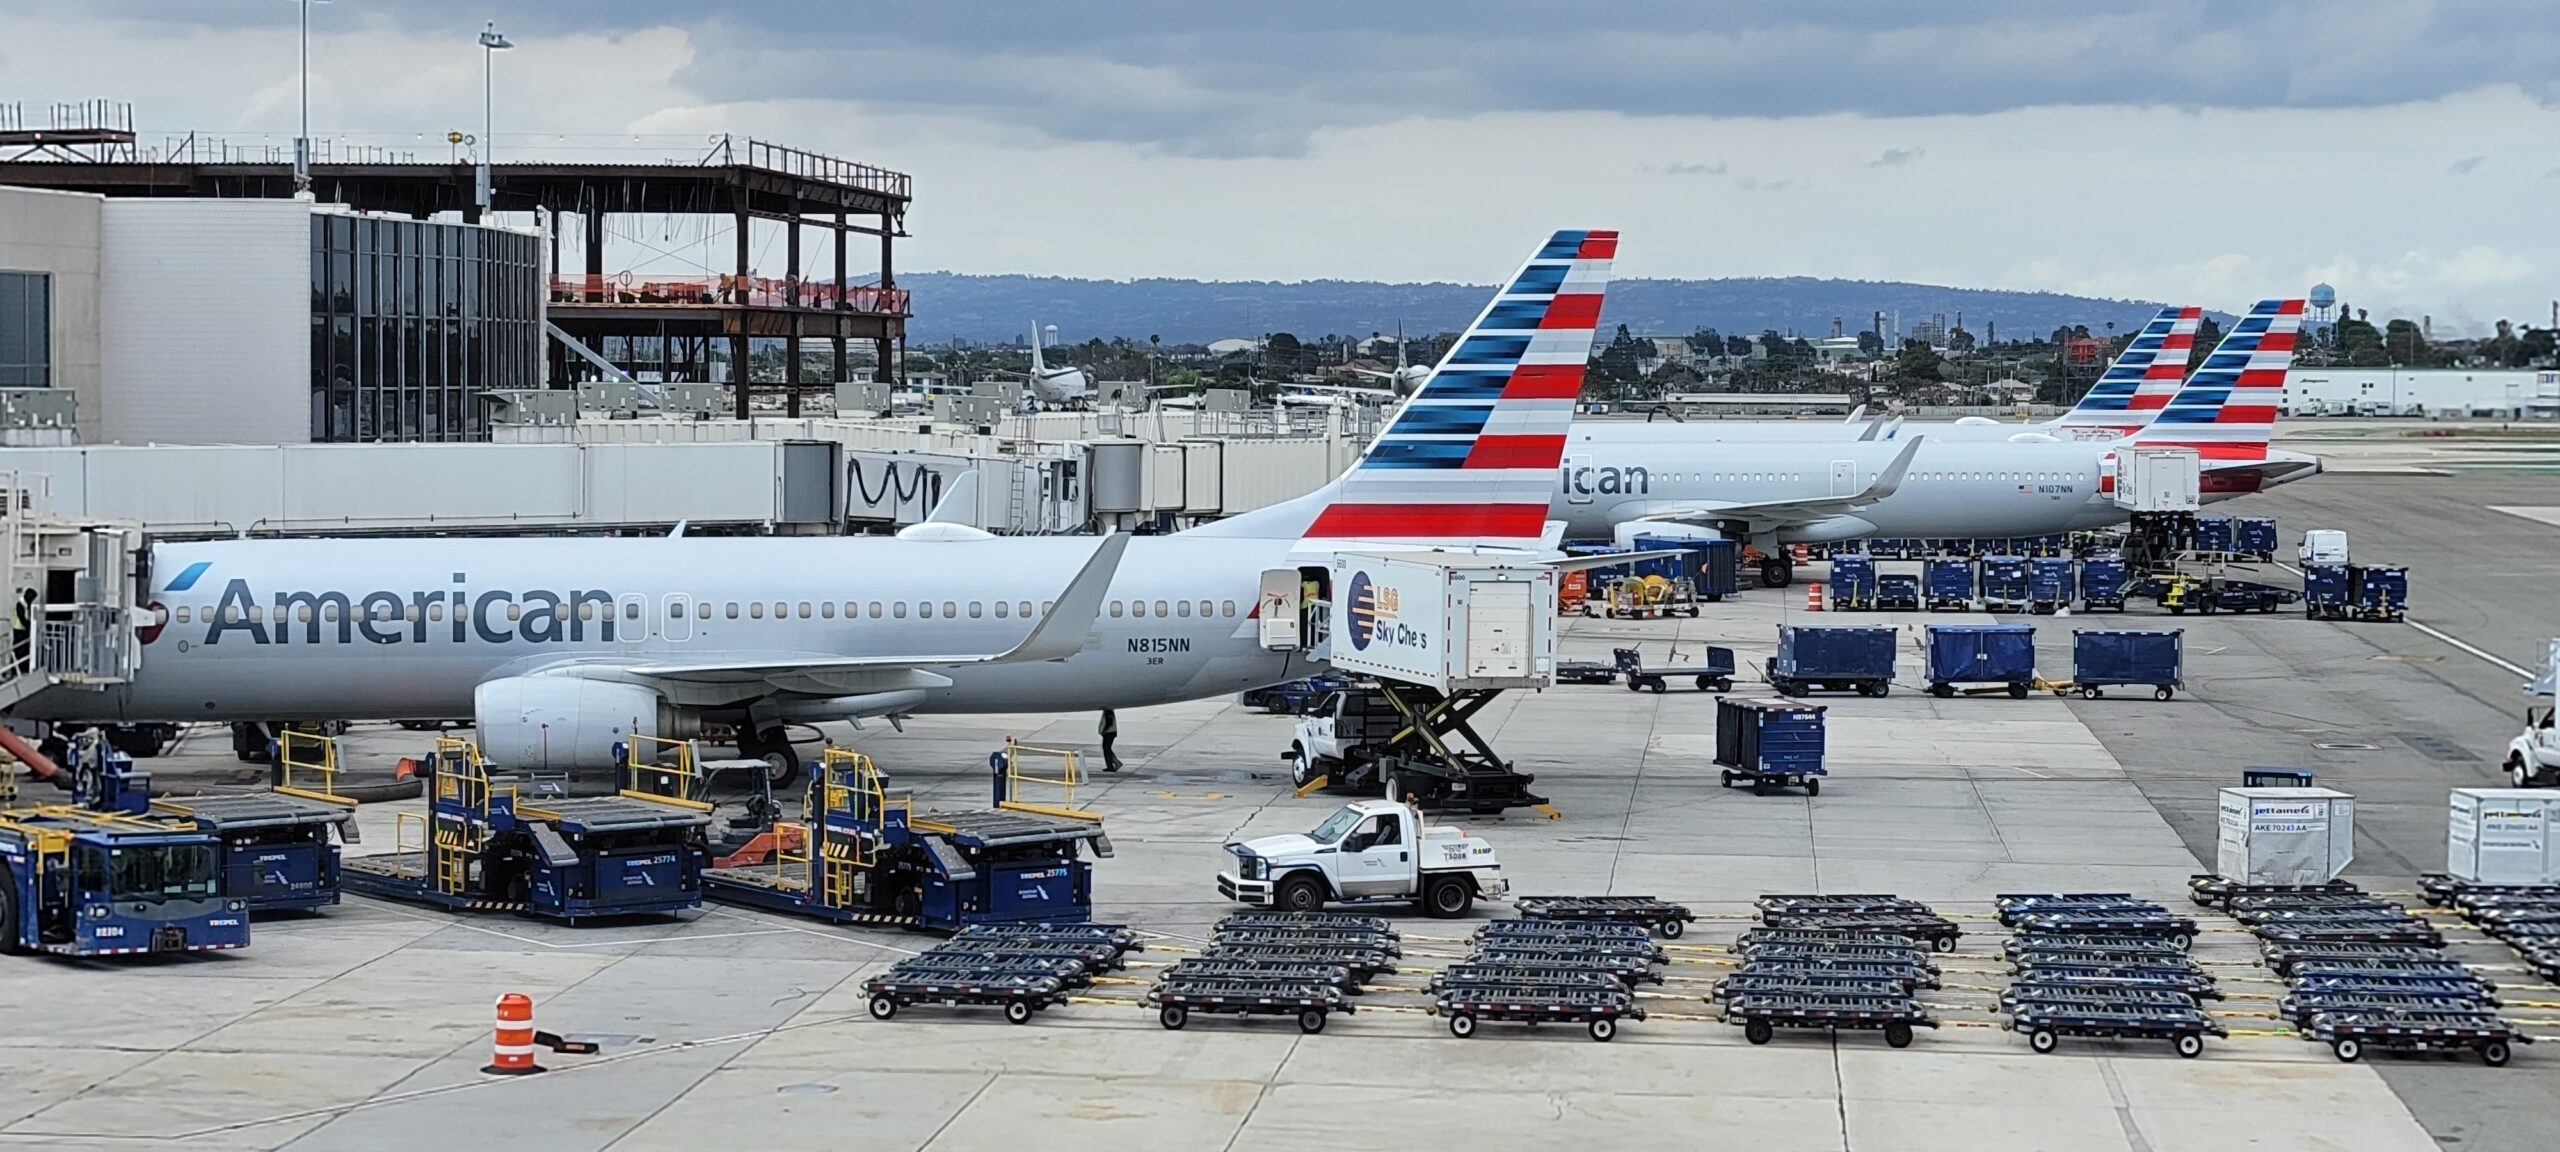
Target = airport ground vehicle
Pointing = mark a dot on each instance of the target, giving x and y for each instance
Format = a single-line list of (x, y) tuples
[(1716, 675), (2533, 757), (74, 882), (2105, 658), (1833, 660), (1999, 654), (1368, 850), (1770, 743)]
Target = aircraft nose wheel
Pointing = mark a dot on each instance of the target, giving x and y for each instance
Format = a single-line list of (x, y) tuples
[(1777, 572)]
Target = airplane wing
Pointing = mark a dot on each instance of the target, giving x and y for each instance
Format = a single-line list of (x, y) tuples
[(1059, 635), (1796, 511)]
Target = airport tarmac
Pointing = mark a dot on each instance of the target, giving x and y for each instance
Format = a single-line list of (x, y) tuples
[(365, 1027)]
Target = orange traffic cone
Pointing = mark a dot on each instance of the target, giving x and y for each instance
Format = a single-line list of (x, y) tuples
[(512, 1054), (1813, 597)]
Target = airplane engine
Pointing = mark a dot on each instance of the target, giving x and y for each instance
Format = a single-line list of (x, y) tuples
[(564, 722)]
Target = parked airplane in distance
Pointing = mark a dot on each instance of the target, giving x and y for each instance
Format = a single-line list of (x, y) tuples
[(560, 648)]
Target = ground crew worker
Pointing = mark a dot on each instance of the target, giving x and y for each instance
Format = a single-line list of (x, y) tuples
[(1110, 729)]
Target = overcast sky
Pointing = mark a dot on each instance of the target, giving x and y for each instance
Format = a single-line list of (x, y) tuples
[(2180, 150)]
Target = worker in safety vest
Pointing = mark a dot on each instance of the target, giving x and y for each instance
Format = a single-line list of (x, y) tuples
[(1110, 729)]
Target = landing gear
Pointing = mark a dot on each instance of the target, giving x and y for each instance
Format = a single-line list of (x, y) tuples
[(773, 746), (1777, 570)]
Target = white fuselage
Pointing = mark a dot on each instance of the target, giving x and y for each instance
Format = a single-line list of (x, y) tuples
[(395, 629)]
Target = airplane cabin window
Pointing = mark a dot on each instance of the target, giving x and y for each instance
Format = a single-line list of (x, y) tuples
[(977, 609), (950, 611), (755, 609), (560, 611), (702, 611), (1160, 609), (898, 608), (435, 610), (733, 610), (183, 614), (1004, 609), (804, 609), (852, 608), (924, 609), (781, 609), (1022, 609), (1048, 606), (827, 610), (1227, 607), (1115, 608), (875, 609), (515, 611), (1206, 608), (1182, 608)]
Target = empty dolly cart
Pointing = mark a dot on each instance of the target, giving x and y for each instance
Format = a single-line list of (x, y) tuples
[(1940, 932), (1364, 964), (1069, 971), (1998, 654), (2027, 944), (1910, 974), (1328, 921), (2065, 994), (1019, 994), (1176, 997), (2179, 931), (1661, 916), (2300, 1007), (1746, 983), (1212, 968), (2211, 891), (1470, 974), (2348, 1034), (2110, 658), (1354, 939), (1770, 744), (2282, 956), (1626, 967), (1118, 939), (1714, 675), (1851, 659), (1598, 1010), (2045, 1022), (1762, 1014)]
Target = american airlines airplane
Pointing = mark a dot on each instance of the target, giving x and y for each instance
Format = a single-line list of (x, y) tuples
[(560, 648), (1629, 474)]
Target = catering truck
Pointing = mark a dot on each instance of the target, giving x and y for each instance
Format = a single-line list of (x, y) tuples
[(1367, 851)]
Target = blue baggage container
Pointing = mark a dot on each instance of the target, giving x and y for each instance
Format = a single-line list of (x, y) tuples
[(1833, 660), (1897, 592), (2325, 591), (2213, 534), (1853, 582), (2051, 583), (1602, 574), (2102, 658), (1980, 654), (2004, 581), (2377, 592), (1771, 743), (2102, 581), (1719, 568), (1947, 583), (2256, 536), (1682, 566)]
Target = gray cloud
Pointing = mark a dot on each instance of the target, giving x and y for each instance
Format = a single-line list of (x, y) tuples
[(1897, 157), (1689, 168), (2466, 165), (1260, 79)]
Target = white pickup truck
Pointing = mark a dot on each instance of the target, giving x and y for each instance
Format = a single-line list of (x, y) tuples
[(1370, 850), (2534, 758)]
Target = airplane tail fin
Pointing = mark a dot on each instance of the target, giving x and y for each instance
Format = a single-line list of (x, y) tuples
[(1470, 459), (2133, 390), (1037, 365), (2227, 410)]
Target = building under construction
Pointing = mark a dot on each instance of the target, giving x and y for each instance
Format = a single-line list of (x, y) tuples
[(649, 325)]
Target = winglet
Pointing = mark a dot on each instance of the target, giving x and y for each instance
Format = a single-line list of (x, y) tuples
[(1891, 477), (1062, 632)]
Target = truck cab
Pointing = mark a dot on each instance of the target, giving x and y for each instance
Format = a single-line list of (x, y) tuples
[(2534, 757), (76, 883), (1340, 729), (1367, 850)]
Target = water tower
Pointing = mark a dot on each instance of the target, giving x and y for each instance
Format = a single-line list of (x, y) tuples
[(2323, 315)]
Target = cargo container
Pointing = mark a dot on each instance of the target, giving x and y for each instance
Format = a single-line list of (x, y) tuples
[(2004, 582), (1771, 743), (2104, 658), (2102, 581), (2213, 535), (2501, 835), (2377, 592), (2158, 480), (1897, 592), (2255, 537), (1713, 565), (2284, 835), (1980, 654), (1946, 583), (1832, 659), (1448, 621), (2051, 583), (1853, 582)]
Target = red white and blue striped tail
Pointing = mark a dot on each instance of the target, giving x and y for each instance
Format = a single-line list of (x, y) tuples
[(1471, 458), (2227, 410), (2134, 389)]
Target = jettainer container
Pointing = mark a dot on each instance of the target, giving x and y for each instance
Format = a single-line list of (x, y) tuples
[(1451, 621), (2503, 836), (2285, 835)]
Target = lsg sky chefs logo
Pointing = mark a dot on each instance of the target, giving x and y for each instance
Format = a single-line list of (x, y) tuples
[(1374, 617)]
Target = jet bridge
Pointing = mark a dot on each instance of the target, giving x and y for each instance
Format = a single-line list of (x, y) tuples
[(73, 589)]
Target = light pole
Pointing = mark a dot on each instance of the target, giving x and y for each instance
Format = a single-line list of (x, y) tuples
[(302, 143), (491, 42)]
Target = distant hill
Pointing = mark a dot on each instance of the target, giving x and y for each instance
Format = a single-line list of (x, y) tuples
[(1000, 309)]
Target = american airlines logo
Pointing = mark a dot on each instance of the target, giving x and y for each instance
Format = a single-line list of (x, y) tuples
[(1585, 480), (466, 615)]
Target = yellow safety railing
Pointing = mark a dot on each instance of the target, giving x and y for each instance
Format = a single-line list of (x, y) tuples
[(648, 775), (401, 841), (462, 777), (313, 758), (1069, 775)]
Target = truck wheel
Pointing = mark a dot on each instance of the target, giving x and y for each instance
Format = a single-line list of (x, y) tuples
[(1656, 683), (1299, 894), (1897, 1034), (1173, 1017), (1758, 1031), (1017, 1011), (1311, 1021), (10, 944), (2347, 1051), (1604, 1030), (1448, 896), (2494, 1053), (2517, 772), (1462, 1025), (2017, 691), (2190, 1045), (1671, 929), (883, 1007), (1300, 770)]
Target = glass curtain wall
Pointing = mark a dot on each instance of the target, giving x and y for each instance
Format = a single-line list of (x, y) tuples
[(411, 320)]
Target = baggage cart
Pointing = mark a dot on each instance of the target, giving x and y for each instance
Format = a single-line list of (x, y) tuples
[(1352, 938), (2210, 890), (1667, 919), (1837, 950), (2108, 658), (1784, 902), (2398, 984), (2010, 905), (2184, 1028), (2439, 968), (1330, 921), (2349, 1034), (1212, 968), (1770, 743), (1095, 957), (1835, 659), (2043, 944), (1909, 974), (2103, 578), (2060, 996), (2306, 901), (1853, 583), (1980, 654), (1624, 935), (2214, 536), (2040, 958), (2325, 594), (1018, 995), (1364, 964), (1597, 1010), (1585, 672), (2298, 1008), (2366, 910), (2254, 537), (1068, 972), (1770, 937), (1120, 938), (1468, 974), (1761, 1014), (2194, 986), (1714, 675), (1941, 933), (2377, 592), (2004, 582), (1746, 983), (1897, 592), (2281, 957), (2179, 931), (1176, 998), (1947, 584), (1627, 967), (2353, 932), (2052, 583)]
